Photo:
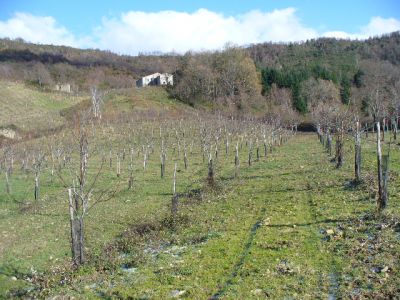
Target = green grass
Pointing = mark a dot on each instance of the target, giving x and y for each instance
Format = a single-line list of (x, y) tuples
[(290, 226), (263, 234), (155, 99)]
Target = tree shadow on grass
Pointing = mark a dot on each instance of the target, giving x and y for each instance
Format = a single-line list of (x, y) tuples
[(353, 185), (18, 292), (325, 221), (236, 268)]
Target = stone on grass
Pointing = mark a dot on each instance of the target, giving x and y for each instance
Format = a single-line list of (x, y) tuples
[(330, 232), (257, 292), (177, 293)]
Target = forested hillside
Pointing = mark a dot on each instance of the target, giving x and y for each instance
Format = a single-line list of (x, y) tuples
[(331, 70), (47, 65), (291, 80)]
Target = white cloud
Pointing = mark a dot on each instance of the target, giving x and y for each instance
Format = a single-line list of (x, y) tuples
[(36, 29), (203, 29), (379, 26), (342, 35), (134, 31), (376, 26)]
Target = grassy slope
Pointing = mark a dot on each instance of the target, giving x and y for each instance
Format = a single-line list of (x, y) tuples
[(150, 99), (259, 235), (29, 108)]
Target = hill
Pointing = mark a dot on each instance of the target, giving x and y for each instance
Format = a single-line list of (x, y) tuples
[(30, 111), (48, 65), (262, 79), (29, 108), (354, 67), (159, 198)]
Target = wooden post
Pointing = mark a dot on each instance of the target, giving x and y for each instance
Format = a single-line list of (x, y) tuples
[(385, 173), (11, 163), (250, 153), (327, 140), (265, 147), (210, 177), (357, 154), (118, 166), (130, 181), (162, 164), (174, 183), (339, 147), (237, 162), (381, 202), (76, 230), (8, 189), (74, 243), (52, 164), (185, 160), (36, 192), (174, 203), (329, 144), (81, 246), (174, 206), (144, 160), (257, 152)]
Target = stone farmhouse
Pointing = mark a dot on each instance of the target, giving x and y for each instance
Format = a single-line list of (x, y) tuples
[(156, 79), (63, 88)]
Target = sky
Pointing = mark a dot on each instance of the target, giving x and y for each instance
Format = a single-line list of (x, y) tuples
[(133, 27)]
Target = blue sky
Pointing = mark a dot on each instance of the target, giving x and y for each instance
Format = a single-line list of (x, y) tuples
[(141, 26)]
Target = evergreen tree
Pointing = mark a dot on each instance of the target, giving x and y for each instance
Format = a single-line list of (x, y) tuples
[(345, 90), (358, 78)]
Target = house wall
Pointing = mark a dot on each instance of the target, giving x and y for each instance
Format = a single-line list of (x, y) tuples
[(155, 79), (63, 88)]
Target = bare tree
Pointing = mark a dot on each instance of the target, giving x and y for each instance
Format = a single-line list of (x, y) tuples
[(336, 119), (37, 166), (81, 194), (395, 108), (96, 102), (237, 161)]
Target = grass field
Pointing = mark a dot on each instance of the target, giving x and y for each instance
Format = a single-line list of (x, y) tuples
[(291, 226), (29, 108)]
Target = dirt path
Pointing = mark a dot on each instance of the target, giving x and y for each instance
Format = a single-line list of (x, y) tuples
[(284, 253)]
